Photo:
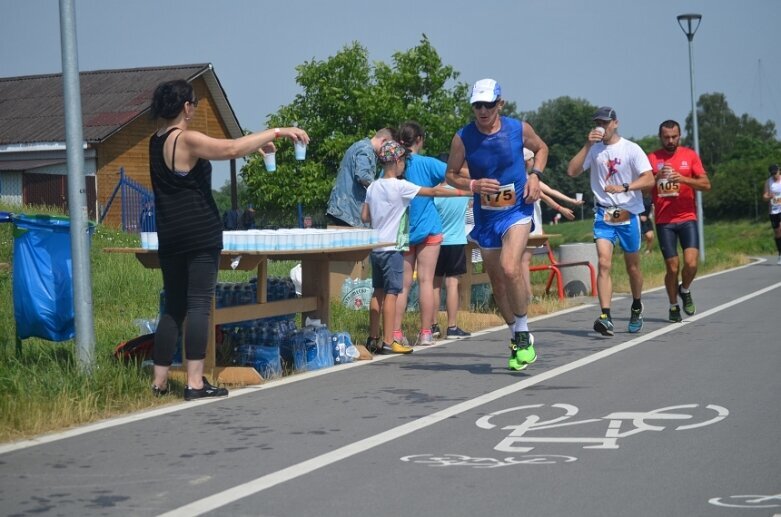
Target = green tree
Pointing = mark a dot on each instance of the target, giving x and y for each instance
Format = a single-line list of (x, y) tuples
[(222, 196), (563, 124), (720, 129), (344, 99), (736, 191)]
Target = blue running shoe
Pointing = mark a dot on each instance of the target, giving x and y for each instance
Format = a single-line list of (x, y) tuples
[(636, 320)]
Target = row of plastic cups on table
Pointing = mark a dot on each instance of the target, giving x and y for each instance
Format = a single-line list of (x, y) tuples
[(149, 240), (284, 239), (296, 239)]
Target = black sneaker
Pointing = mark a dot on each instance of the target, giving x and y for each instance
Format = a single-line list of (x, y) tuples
[(604, 325), (374, 345), (675, 314), (435, 332), (157, 392), (688, 303), (207, 391), (457, 332)]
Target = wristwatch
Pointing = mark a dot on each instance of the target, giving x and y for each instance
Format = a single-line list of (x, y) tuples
[(626, 187)]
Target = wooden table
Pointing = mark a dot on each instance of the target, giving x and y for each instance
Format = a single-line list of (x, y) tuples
[(314, 301), (471, 278)]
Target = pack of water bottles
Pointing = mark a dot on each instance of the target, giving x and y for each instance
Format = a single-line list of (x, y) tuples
[(343, 349), (356, 294), (257, 343), (309, 348), (229, 294)]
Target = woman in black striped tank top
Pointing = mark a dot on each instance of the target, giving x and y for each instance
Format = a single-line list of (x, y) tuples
[(189, 227)]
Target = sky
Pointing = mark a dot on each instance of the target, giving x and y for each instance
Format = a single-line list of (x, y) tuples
[(629, 54)]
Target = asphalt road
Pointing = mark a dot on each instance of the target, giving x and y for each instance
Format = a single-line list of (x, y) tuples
[(678, 420)]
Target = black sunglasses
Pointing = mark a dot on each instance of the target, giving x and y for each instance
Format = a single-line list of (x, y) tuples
[(486, 105)]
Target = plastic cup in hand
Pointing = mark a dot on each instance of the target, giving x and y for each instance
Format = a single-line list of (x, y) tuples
[(579, 196), (600, 130), (270, 161), (300, 150)]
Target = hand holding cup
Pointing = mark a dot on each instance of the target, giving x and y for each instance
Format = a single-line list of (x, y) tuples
[(596, 134)]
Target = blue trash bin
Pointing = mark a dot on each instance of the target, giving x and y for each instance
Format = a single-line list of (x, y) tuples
[(43, 277)]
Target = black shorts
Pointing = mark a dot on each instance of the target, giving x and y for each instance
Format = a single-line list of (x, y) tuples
[(775, 220), (451, 261), (646, 226), (669, 234)]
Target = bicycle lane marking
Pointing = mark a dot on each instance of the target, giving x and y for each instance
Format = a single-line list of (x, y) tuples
[(267, 481)]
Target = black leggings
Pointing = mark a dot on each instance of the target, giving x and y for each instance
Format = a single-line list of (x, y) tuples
[(670, 233), (189, 281)]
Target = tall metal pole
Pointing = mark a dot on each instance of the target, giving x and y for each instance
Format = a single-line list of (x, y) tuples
[(689, 23), (77, 191)]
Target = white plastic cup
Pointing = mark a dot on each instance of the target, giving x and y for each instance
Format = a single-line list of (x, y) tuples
[(300, 150), (579, 196), (600, 130), (270, 161)]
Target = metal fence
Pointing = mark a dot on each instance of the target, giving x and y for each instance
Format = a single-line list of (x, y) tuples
[(137, 205)]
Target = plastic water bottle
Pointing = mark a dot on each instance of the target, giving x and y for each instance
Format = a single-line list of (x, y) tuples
[(350, 350), (324, 354), (339, 348), (310, 347)]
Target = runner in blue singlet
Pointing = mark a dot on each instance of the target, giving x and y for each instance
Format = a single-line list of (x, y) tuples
[(492, 146)]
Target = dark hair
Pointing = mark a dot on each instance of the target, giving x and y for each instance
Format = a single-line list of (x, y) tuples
[(773, 169), (669, 124), (410, 131), (387, 133), (169, 98)]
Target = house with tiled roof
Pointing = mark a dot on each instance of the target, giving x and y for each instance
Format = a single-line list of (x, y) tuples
[(116, 130)]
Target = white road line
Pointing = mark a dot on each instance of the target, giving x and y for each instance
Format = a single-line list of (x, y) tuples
[(143, 415), (257, 485)]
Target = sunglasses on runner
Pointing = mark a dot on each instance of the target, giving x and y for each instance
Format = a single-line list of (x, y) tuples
[(486, 105)]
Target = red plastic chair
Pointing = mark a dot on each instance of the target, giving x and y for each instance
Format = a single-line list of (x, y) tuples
[(555, 268)]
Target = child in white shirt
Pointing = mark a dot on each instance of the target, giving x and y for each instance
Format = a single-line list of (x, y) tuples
[(386, 209)]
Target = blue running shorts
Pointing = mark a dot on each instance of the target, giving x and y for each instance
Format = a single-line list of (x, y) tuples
[(626, 234)]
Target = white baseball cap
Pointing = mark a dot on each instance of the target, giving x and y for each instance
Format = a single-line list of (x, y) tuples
[(485, 90)]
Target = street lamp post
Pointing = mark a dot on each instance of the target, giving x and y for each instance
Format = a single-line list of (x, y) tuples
[(689, 24)]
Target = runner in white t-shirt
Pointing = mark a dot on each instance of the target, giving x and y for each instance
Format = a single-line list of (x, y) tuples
[(772, 195), (620, 170)]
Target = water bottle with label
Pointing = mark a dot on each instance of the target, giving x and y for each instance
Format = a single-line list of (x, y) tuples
[(351, 351)]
